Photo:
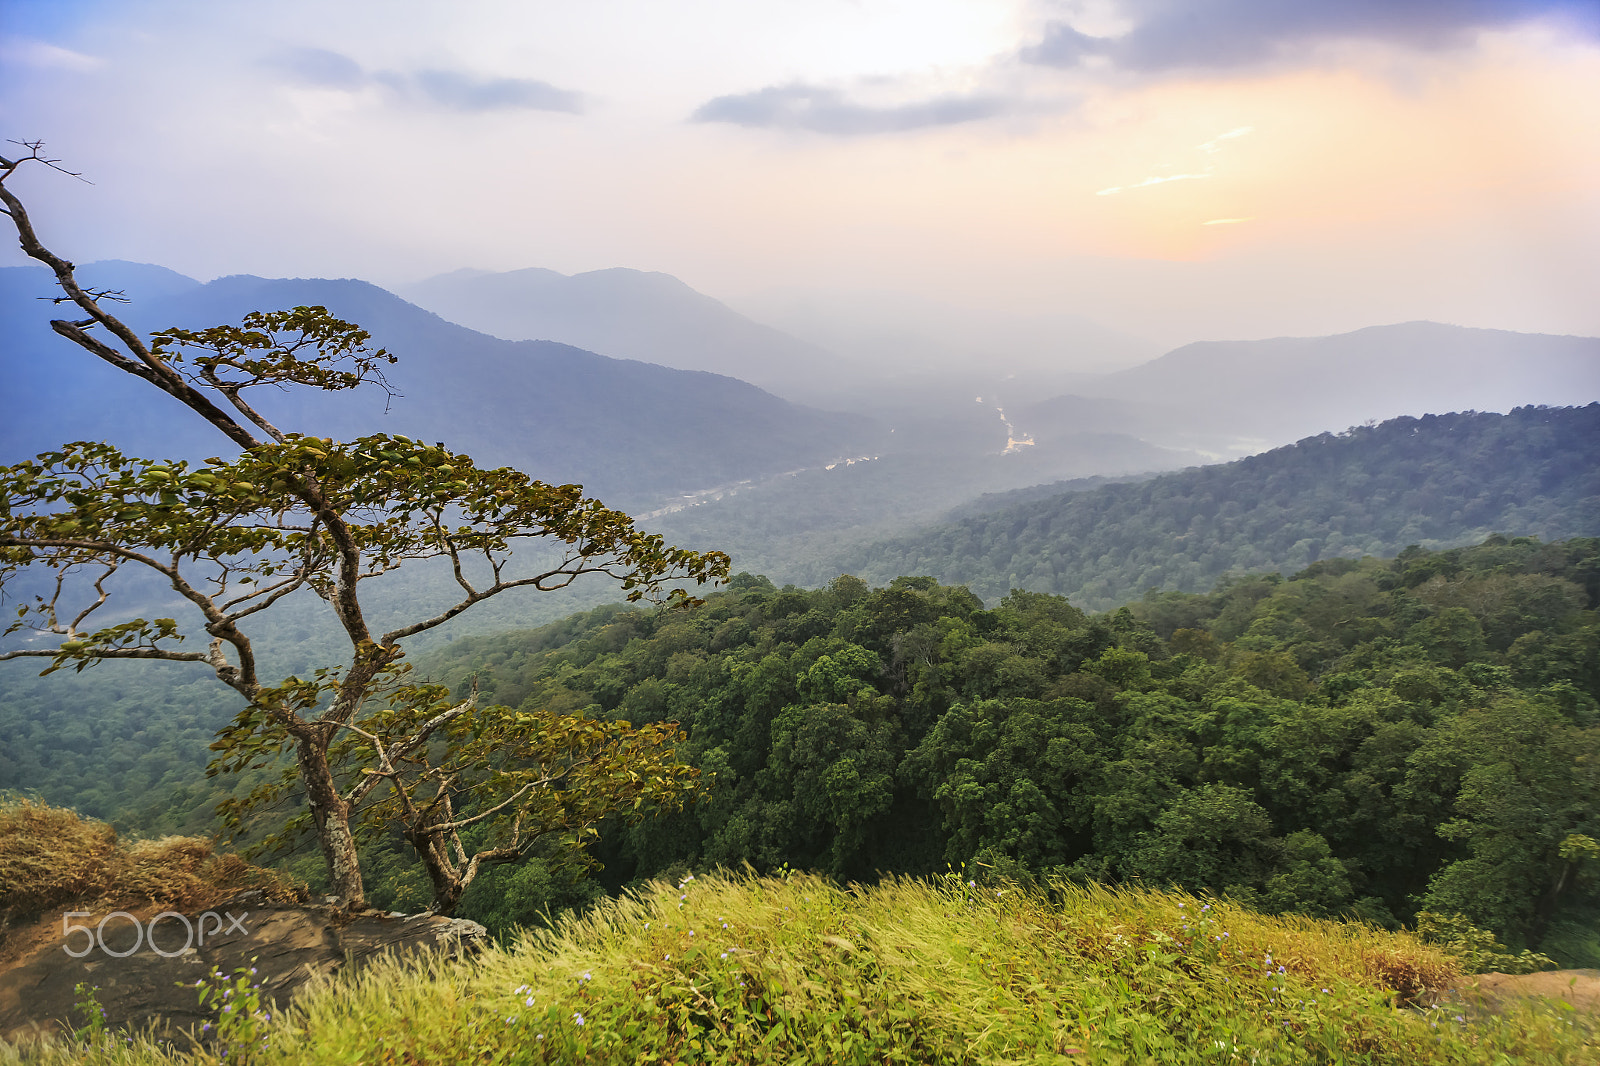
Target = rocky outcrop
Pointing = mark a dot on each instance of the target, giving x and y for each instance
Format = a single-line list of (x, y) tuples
[(149, 973), (1493, 992)]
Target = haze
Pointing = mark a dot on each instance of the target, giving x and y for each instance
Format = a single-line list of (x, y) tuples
[(1156, 171)]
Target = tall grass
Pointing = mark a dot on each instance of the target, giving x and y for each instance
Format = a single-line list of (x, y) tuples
[(52, 856), (738, 969)]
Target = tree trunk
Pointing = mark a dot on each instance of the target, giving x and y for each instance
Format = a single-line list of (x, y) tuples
[(434, 851), (331, 816)]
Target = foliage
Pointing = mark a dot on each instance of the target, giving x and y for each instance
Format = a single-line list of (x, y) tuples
[(1314, 745), (240, 1031), (234, 537), (518, 777), (953, 969), (1477, 949), (93, 1030), (1372, 490)]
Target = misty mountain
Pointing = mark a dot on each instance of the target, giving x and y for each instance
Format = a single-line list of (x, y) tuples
[(631, 432), (1438, 480), (1282, 389), (628, 314), (891, 336), (794, 528)]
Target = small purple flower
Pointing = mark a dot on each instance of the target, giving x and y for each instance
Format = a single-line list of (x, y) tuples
[(577, 1019)]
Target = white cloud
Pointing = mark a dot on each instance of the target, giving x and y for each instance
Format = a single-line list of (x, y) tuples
[(41, 55), (1215, 143)]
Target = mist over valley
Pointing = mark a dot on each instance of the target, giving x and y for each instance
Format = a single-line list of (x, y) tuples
[(855, 532)]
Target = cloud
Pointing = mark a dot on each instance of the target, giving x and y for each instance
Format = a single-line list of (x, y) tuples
[(1159, 180), (1210, 148), (451, 89), (1222, 34), (1214, 145), (320, 67), (822, 110), (24, 51), (464, 92)]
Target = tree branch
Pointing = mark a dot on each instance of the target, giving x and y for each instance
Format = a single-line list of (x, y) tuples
[(114, 653)]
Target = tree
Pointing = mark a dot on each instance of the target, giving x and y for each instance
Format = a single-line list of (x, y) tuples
[(234, 537)]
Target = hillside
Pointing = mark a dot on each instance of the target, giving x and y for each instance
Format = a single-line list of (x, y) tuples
[(1336, 743), (1435, 480), (630, 432), (1285, 388), (797, 970), (628, 314)]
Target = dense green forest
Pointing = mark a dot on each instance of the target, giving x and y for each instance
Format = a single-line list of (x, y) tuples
[(127, 741), (1368, 736), (1437, 480)]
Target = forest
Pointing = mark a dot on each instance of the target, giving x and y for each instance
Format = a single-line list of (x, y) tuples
[(1436, 480), (1368, 737)]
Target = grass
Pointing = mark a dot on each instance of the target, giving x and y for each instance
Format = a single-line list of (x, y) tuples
[(731, 969), (51, 857)]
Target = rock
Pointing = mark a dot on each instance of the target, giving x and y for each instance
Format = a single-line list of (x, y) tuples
[(1492, 992), (141, 982)]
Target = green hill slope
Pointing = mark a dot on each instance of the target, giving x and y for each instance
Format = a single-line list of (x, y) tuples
[(1340, 741), (1372, 490), (802, 971)]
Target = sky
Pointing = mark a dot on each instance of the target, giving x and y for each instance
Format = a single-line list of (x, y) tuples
[(1173, 170)]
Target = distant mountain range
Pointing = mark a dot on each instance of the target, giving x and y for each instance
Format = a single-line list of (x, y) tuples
[(629, 314), (645, 422), (630, 431), (1280, 390), (1438, 480)]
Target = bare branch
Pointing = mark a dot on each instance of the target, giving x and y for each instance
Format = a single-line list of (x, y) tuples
[(99, 587), (119, 296), (462, 823), (34, 156), (538, 581), (273, 594), (231, 391), (114, 653)]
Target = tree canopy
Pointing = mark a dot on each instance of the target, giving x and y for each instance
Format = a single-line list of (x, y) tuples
[(1436, 480), (1381, 737), (291, 513)]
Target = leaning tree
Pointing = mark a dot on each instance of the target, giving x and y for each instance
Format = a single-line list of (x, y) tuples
[(290, 512)]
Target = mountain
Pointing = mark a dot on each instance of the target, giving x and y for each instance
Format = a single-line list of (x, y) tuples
[(1436, 480), (632, 432), (1286, 388), (628, 314)]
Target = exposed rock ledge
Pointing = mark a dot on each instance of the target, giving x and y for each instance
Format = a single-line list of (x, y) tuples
[(1494, 991), (287, 945)]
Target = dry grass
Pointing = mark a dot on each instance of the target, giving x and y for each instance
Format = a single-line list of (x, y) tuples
[(51, 857)]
